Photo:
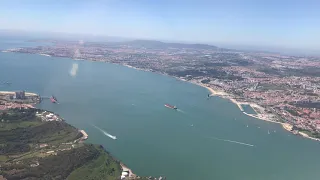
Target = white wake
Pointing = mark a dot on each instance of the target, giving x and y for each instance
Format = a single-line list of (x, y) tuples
[(179, 110), (227, 140), (105, 133)]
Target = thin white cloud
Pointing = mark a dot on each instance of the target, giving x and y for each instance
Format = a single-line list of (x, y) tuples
[(74, 70)]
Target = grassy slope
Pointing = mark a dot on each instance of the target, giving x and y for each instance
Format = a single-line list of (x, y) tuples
[(23, 124), (13, 119), (20, 134), (104, 167)]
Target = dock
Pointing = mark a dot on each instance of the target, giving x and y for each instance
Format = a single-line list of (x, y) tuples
[(238, 104), (85, 135), (126, 172)]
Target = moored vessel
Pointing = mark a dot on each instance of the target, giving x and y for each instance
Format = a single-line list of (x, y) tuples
[(170, 106)]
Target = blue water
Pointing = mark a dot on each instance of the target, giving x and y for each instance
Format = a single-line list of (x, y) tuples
[(248, 109), (200, 141)]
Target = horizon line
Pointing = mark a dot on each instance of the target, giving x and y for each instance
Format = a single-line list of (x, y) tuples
[(222, 45)]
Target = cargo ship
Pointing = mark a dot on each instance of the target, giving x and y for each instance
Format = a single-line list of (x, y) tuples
[(170, 106), (53, 99)]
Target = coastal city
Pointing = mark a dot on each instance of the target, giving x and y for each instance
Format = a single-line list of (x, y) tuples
[(280, 88), (157, 90)]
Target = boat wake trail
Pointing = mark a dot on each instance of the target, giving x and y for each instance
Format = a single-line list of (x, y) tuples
[(105, 133), (179, 110), (227, 140)]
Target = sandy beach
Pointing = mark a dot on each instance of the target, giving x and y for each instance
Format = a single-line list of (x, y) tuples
[(261, 117), (287, 126), (227, 96), (307, 136), (212, 91), (45, 55), (264, 117), (223, 95)]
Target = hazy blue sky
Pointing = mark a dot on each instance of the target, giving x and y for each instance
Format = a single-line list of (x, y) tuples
[(286, 23)]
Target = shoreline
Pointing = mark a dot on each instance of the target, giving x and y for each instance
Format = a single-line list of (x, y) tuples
[(126, 169), (213, 92), (288, 127), (13, 92), (45, 55), (227, 96), (84, 134)]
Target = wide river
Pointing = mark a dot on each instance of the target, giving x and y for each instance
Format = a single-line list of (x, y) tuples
[(204, 139)]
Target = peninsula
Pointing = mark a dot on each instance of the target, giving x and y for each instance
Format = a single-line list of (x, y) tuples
[(38, 144)]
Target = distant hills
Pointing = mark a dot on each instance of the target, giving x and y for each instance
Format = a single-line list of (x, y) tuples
[(92, 39), (160, 45), (58, 36), (103, 39)]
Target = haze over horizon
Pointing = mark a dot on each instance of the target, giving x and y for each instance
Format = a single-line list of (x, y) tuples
[(268, 24)]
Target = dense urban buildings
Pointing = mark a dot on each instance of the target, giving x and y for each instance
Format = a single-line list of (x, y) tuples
[(20, 95)]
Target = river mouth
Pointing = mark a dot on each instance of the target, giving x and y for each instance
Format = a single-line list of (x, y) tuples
[(152, 139)]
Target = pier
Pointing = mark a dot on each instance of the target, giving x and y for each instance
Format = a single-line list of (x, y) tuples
[(240, 107), (238, 104), (85, 135)]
